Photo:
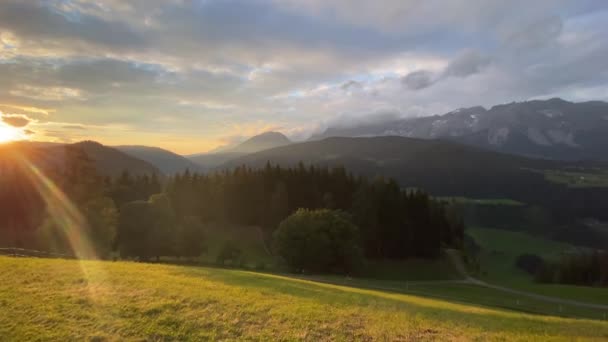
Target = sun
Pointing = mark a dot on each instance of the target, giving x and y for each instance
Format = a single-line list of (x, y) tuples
[(9, 133)]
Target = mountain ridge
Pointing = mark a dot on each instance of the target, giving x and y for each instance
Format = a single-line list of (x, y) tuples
[(167, 161), (552, 129), (260, 142)]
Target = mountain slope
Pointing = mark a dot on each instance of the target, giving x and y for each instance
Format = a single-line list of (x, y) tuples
[(112, 162), (167, 161), (254, 144), (261, 142), (441, 168), (108, 161), (554, 129)]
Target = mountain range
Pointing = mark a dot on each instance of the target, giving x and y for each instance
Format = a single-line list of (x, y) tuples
[(442, 153), (553, 129)]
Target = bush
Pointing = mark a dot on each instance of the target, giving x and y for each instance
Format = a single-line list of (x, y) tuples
[(318, 241), (530, 263)]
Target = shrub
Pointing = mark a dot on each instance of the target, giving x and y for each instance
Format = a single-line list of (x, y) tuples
[(318, 241)]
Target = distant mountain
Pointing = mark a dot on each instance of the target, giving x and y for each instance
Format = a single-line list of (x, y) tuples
[(254, 144), (108, 161), (442, 167), (112, 162), (168, 162), (554, 129), (261, 142)]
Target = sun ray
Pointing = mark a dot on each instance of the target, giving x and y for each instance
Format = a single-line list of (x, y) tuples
[(71, 223)]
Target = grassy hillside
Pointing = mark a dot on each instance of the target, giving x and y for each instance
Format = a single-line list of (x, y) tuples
[(91, 300), (500, 248)]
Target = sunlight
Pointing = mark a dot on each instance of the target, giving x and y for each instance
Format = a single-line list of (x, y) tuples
[(63, 211), (70, 221), (9, 133)]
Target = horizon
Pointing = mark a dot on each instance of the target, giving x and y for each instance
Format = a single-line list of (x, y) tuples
[(195, 76)]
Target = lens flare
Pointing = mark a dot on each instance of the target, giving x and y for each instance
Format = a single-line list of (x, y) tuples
[(69, 219), (72, 224)]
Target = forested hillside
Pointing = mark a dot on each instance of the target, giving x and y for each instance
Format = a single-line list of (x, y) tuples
[(138, 218), (450, 169)]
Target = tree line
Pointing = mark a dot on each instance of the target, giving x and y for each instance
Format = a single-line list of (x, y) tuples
[(588, 268), (146, 217), (392, 222)]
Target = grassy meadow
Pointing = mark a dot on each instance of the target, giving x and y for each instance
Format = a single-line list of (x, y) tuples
[(500, 248), (49, 299), (579, 179)]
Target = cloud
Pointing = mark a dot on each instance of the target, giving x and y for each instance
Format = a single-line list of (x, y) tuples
[(535, 34), (467, 63), (351, 85), (417, 80), (58, 28), (180, 71), (77, 127), (15, 120), (46, 93)]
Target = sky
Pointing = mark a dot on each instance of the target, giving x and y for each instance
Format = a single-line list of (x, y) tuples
[(191, 76)]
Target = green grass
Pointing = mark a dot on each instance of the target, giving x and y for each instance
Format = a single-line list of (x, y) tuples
[(466, 293), (574, 179), (500, 248), (409, 269), (60, 300), (481, 201)]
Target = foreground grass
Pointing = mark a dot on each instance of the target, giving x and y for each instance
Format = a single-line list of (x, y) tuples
[(91, 300), (471, 294)]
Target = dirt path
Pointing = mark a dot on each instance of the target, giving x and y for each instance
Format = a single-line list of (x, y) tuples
[(456, 260)]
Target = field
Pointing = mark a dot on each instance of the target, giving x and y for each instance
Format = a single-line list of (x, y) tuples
[(46, 299), (480, 201), (500, 248), (576, 179)]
